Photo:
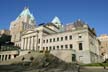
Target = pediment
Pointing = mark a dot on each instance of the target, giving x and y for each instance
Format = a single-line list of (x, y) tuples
[(28, 31)]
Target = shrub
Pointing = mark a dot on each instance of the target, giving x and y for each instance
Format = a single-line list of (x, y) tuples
[(23, 58), (31, 58)]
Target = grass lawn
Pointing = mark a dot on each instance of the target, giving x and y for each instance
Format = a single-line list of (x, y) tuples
[(96, 64)]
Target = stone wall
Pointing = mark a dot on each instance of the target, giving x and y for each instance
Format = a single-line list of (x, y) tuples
[(65, 55)]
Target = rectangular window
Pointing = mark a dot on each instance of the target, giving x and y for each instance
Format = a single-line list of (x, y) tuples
[(50, 40), (53, 47), (73, 57), (43, 41), (57, 47), (61, 46), (65, 37), (47, 41), (66, 46), (80, 46), (57, 38), (46, 48), (61, 38), (53, 39), (70, 37), (71, 46), (50, 48)]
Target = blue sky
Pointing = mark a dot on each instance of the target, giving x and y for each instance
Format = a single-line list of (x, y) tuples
[(93, 12)]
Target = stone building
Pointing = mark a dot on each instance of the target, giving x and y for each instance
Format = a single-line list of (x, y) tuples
[(78, 43), (31, 38), (24, 21), (104, 45), (6, 32)]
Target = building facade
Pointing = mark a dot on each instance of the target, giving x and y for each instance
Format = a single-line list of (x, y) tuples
[(104, 45), (79, 43)]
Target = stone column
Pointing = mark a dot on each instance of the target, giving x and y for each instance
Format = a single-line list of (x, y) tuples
[(41, 40), (12, 56), (0, 57), (35, 43), (25, 44), (4, 58), (22, 43), (31, 47), (28, 43)]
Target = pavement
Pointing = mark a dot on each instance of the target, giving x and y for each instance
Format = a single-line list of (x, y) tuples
[(18, 68), (93, 69)]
